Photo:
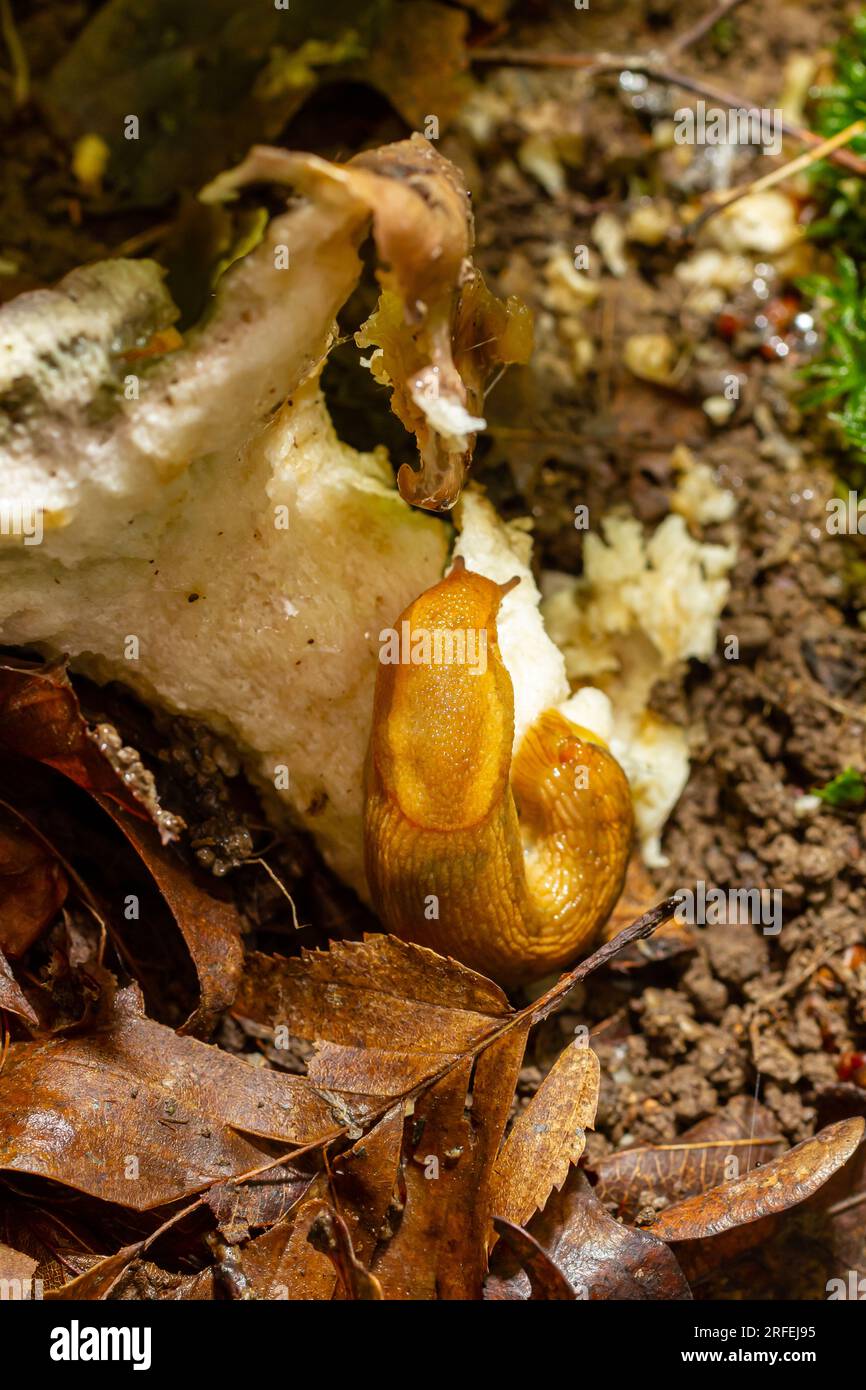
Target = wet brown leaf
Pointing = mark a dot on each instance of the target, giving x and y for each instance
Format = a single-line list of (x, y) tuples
[(736, 1139), (98, 1281), (281, 1263), (389, 1013), (33, 887), (210, 926), (134, 1113), (546, 1281), (143, 1280), (260, 1202), (780, 1184), (329, 1234), (548, 1136), (367, 1182), (440, 1247), (40, 718), (12, 997), (600, 1258)]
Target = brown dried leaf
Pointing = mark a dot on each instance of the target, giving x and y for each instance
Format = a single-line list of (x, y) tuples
[(144, 1281), (630, 1178), (546, 1281), (98, 1281), (260, 1202), (12, 997), (390, 1013), (281, 1264), (548, 1136), (40, 718), (210, 926), (780, 1184), (440, 1247), (366, 1181), (600, 1258), (329, 1234), (33, 886), (78, 1109)]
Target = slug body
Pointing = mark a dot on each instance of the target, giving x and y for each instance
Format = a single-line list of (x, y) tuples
[(510, 868)]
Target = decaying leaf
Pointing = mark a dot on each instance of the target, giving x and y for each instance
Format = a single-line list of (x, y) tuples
[(281, 1263), (600, 1258), (33, 886), (12, 998), (546, 1280), (440, 1247), (329, 1234), (40, 718), (388, 1014), (778, 1185), (157, 1116), (210, 926), (98, 1281), (548, 1137), (735, 1139)]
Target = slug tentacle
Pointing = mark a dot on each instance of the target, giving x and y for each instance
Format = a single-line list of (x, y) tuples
[(512, 869)]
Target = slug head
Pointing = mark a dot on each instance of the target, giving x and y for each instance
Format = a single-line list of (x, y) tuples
[(443, 717)]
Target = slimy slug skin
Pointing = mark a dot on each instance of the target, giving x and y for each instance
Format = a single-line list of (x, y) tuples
[(511, 867)]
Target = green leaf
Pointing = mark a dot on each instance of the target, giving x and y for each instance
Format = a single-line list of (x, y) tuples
[(846, 790)]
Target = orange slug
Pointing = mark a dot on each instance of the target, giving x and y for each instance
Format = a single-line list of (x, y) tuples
[(511, 867)]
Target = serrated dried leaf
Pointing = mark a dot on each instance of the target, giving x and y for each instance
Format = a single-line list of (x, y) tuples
[(548, 1136), (389, 1013)]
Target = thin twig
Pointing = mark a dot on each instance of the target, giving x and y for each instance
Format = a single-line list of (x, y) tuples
[(786, 171), (701, 26), (655, 66)]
